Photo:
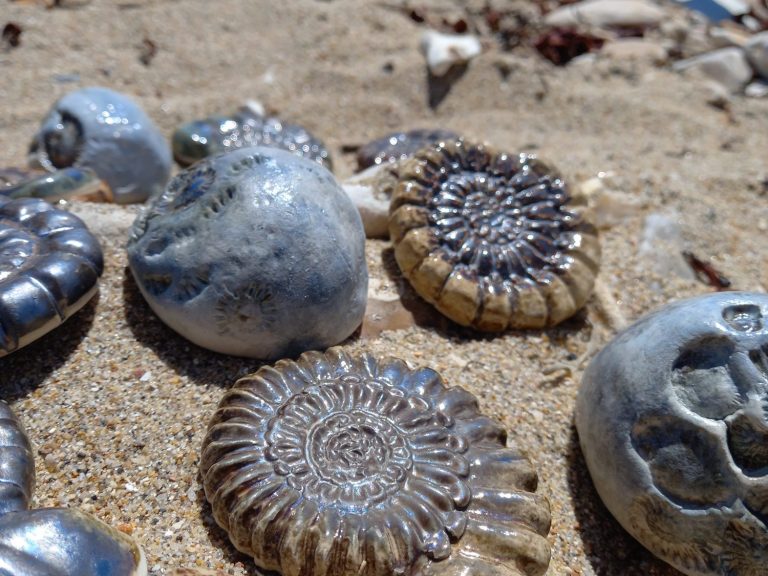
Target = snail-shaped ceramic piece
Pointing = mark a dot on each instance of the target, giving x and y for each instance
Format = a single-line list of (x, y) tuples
[(52, 541), (673, 422), (489, 238), (256, 252), (245, 128), (106, 131), (341, 465), (49, 268)]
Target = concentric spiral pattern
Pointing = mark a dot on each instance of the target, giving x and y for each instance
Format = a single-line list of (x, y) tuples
[(341, 465), (49, 268), (489, 239)]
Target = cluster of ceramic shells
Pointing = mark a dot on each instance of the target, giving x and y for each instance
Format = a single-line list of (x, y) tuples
[(340, 464), (489, 238)]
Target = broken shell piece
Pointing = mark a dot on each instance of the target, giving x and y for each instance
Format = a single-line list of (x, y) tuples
[(245, 128), (60, 541), (491, 239), (106, 131), (341, 464), (64, 184), (370, 192), (673, 425), (49, 269), (443, 51)]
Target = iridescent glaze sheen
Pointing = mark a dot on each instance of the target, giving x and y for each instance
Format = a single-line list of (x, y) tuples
[(49, 268), (340, 464), (65, 184), (106, 131), (490, 239), (246, 127)]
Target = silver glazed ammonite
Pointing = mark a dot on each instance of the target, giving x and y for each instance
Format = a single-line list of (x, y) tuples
[(106, 131), (52, 541), (49, 268), (490, 239), (673, 422), (245, 128), (341, 465)]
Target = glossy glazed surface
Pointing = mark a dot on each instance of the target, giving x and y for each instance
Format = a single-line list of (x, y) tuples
[(49, 268), (340, 464), (256, 252)]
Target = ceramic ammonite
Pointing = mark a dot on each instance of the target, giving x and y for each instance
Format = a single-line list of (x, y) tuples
[(490, 239), (49, 268), (672, 418), (106, 131), (399, 145), (246, 127), (340, 464), (52, 541)]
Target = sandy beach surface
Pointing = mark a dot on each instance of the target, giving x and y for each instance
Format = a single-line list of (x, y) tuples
[(117, 404)]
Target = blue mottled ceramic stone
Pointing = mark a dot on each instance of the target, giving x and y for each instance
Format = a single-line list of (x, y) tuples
[(673, 422), (257, 253), (104, 130)]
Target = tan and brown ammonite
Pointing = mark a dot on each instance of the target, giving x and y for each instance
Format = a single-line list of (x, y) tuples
[(489, 239), (345, 465)]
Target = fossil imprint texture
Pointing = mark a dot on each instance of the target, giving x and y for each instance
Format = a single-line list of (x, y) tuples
[(491, 239), (52, 541), (673, 422), (341, 465)]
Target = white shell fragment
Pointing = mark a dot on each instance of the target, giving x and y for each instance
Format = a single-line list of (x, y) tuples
[(607, 14), (370, 192), (727, 66), (673, 422), (106, 131), (757, 53), (257, 252), (443, 51)]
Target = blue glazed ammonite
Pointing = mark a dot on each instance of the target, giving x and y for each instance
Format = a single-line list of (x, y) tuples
[(491, 239), (49, 269), (256, 252), (108, 132), (245, 128), (52, 541), (340, 464)]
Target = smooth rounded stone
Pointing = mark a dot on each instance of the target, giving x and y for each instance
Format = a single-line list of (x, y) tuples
[(444, 51), (727, 66), (65, 184), (673, 425), (491, 239), (607, 14), (756, 50), (637, 50), (17, 464), (106, 131), (245, 128), (400, 145), (340, 464), (257, 252), (49, 269)]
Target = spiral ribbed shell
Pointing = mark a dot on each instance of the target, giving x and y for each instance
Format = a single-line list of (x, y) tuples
[(341, 465), (490, 239)]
